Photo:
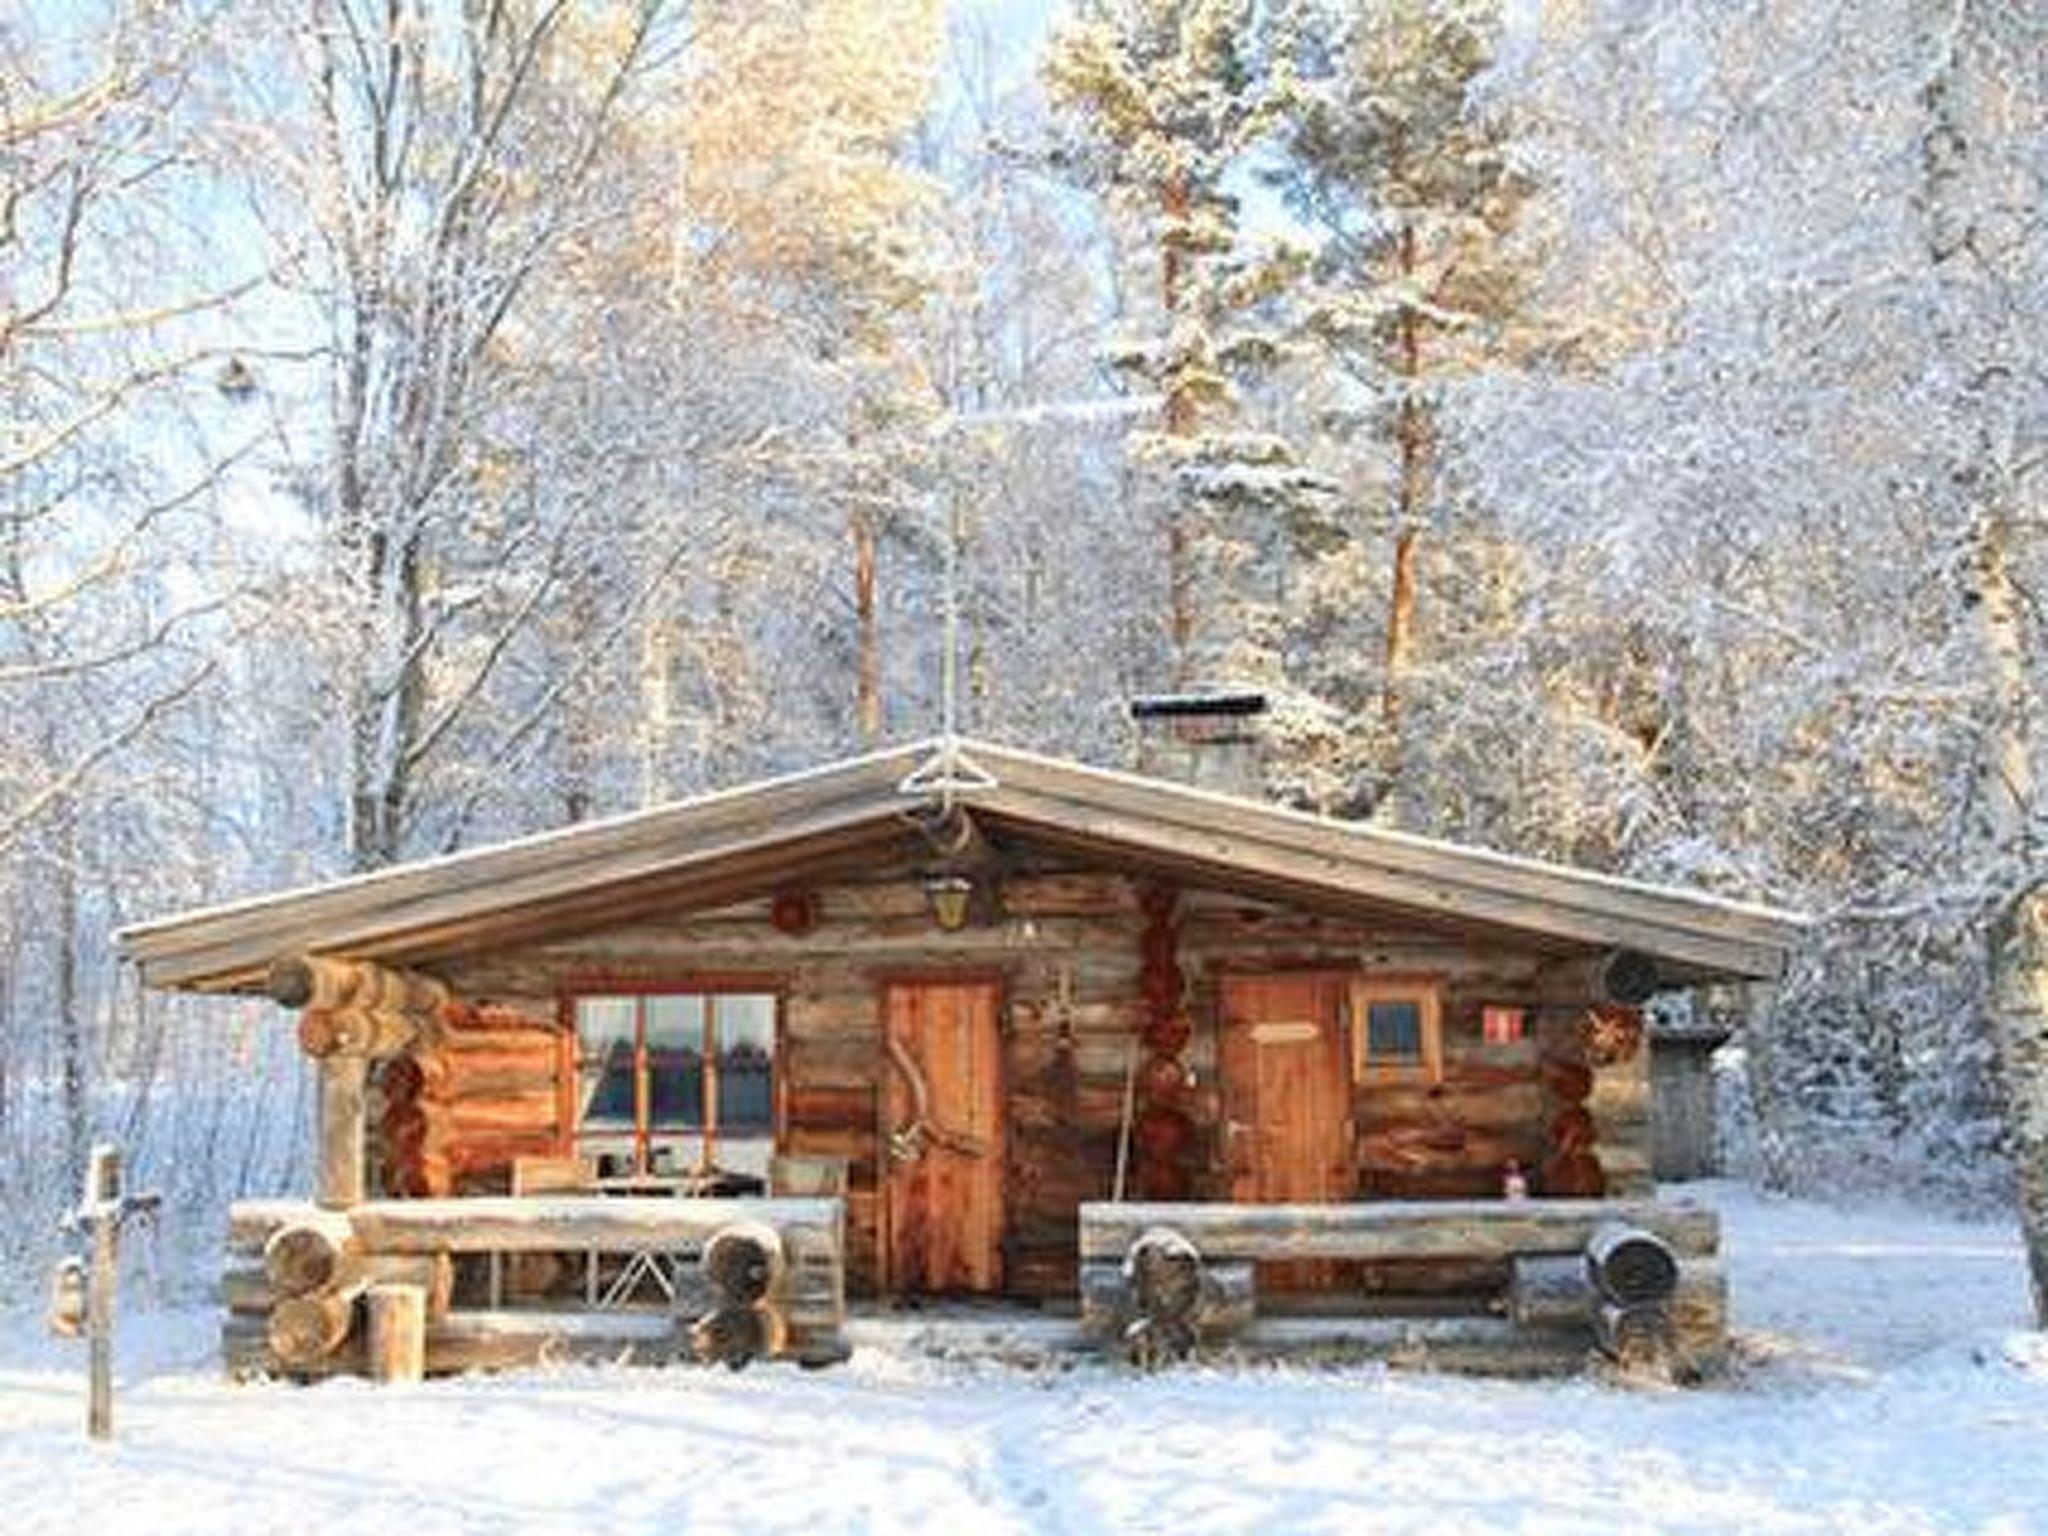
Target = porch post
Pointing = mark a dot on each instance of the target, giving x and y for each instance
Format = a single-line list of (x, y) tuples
[(344, 1080)]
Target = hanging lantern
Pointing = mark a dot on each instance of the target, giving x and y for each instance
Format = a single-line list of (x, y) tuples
[(67, 1297), (952, 899)]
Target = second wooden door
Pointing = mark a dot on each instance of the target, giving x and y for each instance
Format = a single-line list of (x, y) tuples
[(1287, 1100), (943, 1137)]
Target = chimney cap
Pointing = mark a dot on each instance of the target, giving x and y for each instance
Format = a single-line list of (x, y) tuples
[(1181, 706)]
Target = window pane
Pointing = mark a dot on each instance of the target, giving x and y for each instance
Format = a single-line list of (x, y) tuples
[(604, 1031), (746, 1063), (675, 1060), (1393, 1031)]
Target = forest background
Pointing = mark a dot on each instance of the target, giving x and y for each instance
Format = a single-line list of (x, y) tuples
[(1608, 432)]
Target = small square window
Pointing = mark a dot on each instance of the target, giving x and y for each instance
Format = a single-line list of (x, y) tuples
[(1396, 1028)]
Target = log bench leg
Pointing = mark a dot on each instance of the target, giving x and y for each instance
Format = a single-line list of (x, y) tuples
[(397, 1332)]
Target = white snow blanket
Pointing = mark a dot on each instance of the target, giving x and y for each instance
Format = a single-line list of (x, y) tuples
[(1889, 1385)]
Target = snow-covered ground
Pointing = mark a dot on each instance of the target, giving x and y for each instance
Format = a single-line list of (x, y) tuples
[(1890, 1387)]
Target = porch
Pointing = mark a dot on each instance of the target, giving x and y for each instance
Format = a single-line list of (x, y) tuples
[(399, 1289)]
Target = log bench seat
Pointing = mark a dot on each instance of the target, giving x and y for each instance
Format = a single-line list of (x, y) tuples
[(373, 1288), (1637, 1283)]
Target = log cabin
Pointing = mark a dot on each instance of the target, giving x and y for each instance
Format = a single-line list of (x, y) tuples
[(955, 1020)]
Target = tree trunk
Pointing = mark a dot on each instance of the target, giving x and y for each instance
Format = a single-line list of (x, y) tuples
[(1179, 413), (73, 1046), (2021, 950), (1412, 437), (869, 635), (657, 701), (1966, 194)]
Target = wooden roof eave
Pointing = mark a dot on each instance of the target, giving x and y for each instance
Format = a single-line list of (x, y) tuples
[(728, 845), (1706, 937), (441, 903)]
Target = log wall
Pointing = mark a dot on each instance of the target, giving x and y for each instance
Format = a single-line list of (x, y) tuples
[(1067, 945), (487, 1086)]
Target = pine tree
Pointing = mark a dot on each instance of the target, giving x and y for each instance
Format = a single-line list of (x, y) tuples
[(1412, 190), (1173, 103)]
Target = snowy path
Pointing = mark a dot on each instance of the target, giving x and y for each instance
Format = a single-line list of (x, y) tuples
[(1894, 1395)]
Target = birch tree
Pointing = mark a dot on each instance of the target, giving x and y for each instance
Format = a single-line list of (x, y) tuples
[(444, 157)]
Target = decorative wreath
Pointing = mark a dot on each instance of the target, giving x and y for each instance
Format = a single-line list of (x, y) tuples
[(1611, 1032)]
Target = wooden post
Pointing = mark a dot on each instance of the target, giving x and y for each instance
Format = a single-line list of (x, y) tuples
[(101, 1212), (343, 1121), (101, 1209), (397, 1332)]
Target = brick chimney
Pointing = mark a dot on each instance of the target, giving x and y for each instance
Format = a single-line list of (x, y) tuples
[(1209, 737)]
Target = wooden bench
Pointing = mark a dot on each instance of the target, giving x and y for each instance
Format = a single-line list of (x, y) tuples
[(1636, 1281), (768, 1281)]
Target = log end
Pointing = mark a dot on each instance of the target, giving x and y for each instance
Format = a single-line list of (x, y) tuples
[(290, 981)]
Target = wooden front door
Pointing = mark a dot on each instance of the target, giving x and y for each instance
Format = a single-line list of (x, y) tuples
[(943, 1138), (1287, 1100)]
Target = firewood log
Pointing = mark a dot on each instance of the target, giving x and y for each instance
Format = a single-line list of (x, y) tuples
[(1629, 1266), (732, 1336), (743, 1263), (1165, 1273), (1637, 1338), (307, 1328), (309, 1253)]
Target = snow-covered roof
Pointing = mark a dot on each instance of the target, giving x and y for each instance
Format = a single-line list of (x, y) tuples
[(846, 816)]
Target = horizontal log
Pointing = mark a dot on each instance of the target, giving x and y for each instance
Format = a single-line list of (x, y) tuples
[(1435, 1148), (460, 1017), (357, 1032), (510, 1115), (1227, 1304), (250, 1222), (488, 1340), (247, 1291), (323, 981), (1069, 895), (827, 1108), (1551, 1290), (1410, 1184), (1447, 1229), (481, 1042), (1516, 1106), (1486, 1346), (469, 1074), (246, 1354), (557, 1223), (477, 1152), (1415, 1280), (495, 1340)]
